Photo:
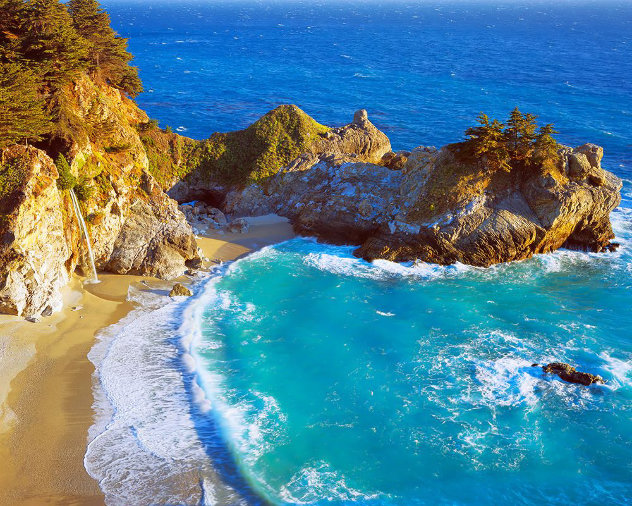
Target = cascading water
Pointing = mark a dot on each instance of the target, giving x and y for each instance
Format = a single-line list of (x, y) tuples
[(84, 229)]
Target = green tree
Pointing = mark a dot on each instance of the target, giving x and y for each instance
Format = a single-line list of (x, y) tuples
[(11, 12), (488, 143), (22, 116), (520, 135), (51, 44), (66, 180), (107, 53), (545, 147)]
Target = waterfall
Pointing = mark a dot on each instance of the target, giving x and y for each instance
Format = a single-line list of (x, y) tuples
[(84, 229)]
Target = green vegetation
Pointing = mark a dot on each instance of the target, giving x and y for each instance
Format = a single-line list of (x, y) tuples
[(22, 116), (511, 146), (107, 55), (259, 151), (44, 46), (495, 157), (66, 180), (84, 190), (12, 176)]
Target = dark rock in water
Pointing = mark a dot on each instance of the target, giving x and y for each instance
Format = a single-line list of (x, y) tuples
[(570, 374), (179, 290), (48, 311), (612, 247)]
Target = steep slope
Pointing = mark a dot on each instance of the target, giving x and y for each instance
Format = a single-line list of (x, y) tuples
[(134, 226)]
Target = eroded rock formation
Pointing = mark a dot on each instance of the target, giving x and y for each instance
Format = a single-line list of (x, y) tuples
[(426, 205), (134, 226)]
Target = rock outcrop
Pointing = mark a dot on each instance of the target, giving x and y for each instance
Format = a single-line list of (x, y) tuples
[(569, 374), (426, 205), (34, 234), (134, 226), (343, 185), (179, 290), (285, 137)]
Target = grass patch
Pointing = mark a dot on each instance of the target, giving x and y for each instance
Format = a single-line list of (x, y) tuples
[(259, 151)]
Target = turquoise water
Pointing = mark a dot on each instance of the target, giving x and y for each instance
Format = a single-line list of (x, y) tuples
[(317, 378), (340, 381)]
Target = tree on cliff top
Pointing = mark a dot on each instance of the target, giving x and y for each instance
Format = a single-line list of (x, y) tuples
[(51, 46), (520, 135), (514, 147), (108, 58), (545, 147), (22, 116), (488, 142)]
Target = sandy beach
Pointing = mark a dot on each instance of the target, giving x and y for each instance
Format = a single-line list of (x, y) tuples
[(46, 377)]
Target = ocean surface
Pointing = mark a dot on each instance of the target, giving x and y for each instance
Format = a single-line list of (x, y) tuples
[(302, 375)]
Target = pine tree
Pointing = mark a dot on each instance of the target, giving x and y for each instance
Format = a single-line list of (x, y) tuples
[(51, 44), (108, 57), (66, 180), (22, 116), (489, 144), (520, 135), (545, 147), (11, 12)]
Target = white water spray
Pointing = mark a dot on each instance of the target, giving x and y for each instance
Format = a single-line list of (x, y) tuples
[(84, 229)]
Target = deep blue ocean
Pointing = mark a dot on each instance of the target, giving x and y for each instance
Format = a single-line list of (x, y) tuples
[(301, 375)]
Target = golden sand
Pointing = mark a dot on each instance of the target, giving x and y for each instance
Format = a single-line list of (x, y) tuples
[(46, 378)]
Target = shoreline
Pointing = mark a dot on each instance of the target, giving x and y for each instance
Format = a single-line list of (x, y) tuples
[(46, 395)]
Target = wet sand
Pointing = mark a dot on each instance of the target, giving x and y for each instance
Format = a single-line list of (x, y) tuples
[(46, 378)]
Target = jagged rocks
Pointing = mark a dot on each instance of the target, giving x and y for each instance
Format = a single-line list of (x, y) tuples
[(34, 252), (155, 240), (569, 374), (285, 137)]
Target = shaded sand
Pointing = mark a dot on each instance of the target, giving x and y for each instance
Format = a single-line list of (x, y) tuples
[(46, 377), (264, 231)]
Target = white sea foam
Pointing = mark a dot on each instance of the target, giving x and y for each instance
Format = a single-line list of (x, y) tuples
[(338, 260), (253, 423), (319, 482), (620, 369), (143, 447)]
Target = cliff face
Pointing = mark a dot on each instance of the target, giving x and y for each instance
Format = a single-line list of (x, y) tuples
[(135, 227), (427, 206)]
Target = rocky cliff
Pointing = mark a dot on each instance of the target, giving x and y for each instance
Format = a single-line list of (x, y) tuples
[(134, 226), (428, 205), (343, 185)]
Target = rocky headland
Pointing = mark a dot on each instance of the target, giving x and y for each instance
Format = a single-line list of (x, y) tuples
[(428, 204), (342, 185)]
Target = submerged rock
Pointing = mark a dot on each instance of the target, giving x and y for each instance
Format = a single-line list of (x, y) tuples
[(179, 290), (568, 373)]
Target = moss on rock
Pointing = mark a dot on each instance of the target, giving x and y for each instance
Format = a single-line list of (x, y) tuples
[(259, 151)]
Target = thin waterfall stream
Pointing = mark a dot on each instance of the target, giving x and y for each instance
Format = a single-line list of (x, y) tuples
[(84, 229)]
